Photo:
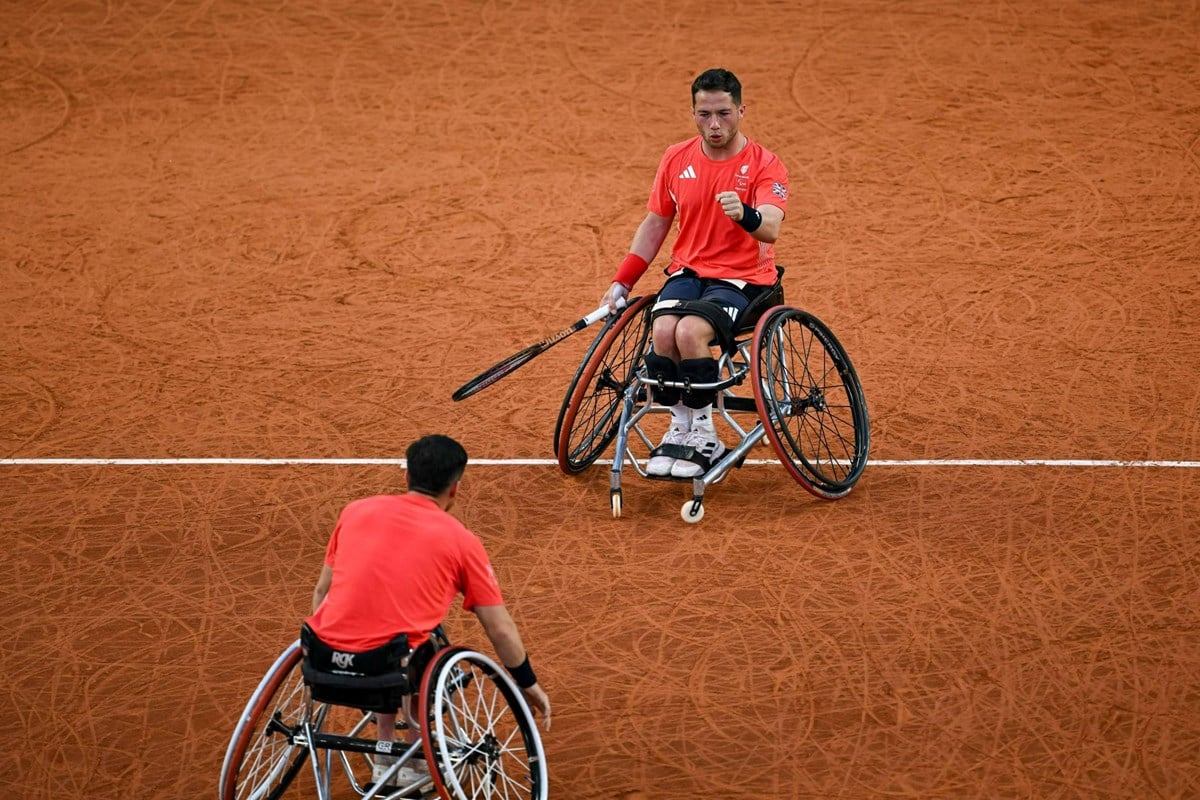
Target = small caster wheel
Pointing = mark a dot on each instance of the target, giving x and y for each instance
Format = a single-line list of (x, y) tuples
[(616, 504), (692, 511)]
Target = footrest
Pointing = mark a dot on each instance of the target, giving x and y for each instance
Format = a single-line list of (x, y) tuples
[(668, 478), (674, 451)]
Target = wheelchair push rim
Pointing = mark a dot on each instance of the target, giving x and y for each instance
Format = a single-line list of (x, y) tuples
[(261, 762), (480, 737), (810, 401), (591, 410)]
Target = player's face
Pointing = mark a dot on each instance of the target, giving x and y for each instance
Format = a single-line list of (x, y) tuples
[(717, 118)]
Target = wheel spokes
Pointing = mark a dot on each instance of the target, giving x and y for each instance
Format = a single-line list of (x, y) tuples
[(810, 405)]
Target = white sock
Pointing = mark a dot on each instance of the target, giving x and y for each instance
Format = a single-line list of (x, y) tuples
[(681, 417), (702, 419)]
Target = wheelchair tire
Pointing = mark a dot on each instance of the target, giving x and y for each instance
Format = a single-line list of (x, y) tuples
[(480, 737), (810, 401), (260, 762), (591, 410)]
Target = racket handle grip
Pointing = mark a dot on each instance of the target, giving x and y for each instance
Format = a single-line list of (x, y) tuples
[(602, 312)]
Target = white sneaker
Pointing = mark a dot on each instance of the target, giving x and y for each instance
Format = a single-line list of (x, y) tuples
[(661, 465), (408, 775), (708, 449)]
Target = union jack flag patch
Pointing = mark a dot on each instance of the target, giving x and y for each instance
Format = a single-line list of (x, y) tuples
[(780, 190)]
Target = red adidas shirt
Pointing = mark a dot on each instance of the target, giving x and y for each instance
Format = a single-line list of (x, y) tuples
[(398, 561), (710, 243)]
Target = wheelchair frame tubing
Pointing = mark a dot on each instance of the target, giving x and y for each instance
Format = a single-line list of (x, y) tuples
[(622, 445)]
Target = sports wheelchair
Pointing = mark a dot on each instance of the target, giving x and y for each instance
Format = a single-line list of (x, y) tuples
[(477, 734), (806, 395)]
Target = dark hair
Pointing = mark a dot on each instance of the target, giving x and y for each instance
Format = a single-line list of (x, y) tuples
[(718, 80), (434, 463)]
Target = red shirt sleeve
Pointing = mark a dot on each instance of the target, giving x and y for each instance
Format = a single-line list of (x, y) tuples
[(662, 201), (771, 188), (479, 584)]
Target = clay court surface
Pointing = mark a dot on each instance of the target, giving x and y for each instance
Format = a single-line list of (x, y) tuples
[(288, 231)]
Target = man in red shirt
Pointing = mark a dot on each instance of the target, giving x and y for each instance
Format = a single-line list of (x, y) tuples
[(729, 194), (394, 565)]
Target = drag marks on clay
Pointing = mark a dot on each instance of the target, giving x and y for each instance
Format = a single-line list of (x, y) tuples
[(802, 644), (227, 247), (966, 643), (986, 629), (164, 586), (391, 235), (46, 108), (29, 409), (1024, 200), (38, 105)]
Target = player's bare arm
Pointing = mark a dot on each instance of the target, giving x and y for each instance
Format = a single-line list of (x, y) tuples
[(647, 241), (501, 630), (322, 587)]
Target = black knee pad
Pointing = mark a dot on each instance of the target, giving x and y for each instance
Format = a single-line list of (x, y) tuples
[(699, 370), (662, 367)]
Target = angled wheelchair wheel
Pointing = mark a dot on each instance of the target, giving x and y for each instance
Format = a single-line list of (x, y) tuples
[(591, 410), (261, 762), (480, 737), (810, 401)]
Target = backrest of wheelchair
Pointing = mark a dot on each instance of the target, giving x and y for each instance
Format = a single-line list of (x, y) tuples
[(768, 299), (376, 680)]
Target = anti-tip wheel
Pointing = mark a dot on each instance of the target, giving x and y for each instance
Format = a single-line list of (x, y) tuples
[(616, 505), (690, 515)]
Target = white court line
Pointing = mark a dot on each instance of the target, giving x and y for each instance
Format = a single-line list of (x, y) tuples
[(547, 462)]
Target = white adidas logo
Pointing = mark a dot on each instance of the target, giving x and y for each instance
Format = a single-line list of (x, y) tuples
[(688, 173)]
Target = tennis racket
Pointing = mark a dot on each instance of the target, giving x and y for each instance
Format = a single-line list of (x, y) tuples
[(510, 365)]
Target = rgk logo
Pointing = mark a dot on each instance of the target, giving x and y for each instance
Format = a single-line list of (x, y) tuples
[(343, 660)]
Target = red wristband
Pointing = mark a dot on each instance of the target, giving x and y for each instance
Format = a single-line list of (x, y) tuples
[(632, 268)]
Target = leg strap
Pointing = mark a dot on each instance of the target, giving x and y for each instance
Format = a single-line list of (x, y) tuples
[(699, 370), (662, 368), (683, 452), (720, 318)]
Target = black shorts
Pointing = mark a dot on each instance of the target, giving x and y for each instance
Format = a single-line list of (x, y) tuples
[(723, 300)]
